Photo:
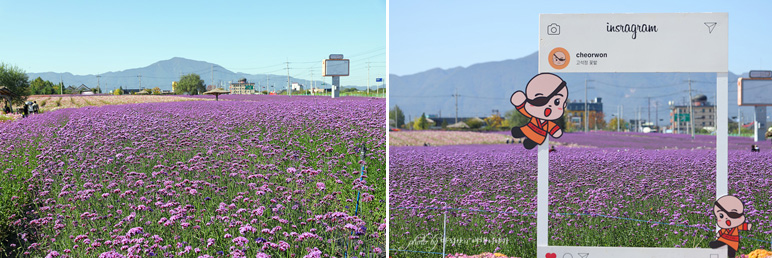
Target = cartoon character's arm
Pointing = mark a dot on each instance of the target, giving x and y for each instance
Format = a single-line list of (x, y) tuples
[(555, 130), (745, 226), (518, 100)]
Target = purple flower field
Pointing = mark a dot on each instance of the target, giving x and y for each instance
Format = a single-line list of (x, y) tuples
[(666, 182), (269, 177)]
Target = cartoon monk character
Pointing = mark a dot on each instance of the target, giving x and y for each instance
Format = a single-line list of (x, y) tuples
[(730, 218), (543, 102)]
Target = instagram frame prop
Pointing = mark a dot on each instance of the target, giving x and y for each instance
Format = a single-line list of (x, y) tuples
[(633, 43)]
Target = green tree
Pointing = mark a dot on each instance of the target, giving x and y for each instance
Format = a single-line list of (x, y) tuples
[(612, 125), (474, 123), (494, 121), (397, 115), (118, 91), (515, 118), (156, 91), (39, 86), (444, 124), (36, 86), (190, 83), (421, 123), (17, 82)]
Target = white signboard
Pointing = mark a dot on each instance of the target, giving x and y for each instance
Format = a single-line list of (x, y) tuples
[(335, 67), (754, 92), (650, 42)]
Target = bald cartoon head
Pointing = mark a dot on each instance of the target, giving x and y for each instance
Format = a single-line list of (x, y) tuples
[(546, 95), (729, 211)]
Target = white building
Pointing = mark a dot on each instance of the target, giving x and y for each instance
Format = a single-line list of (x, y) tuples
[(297, 86)]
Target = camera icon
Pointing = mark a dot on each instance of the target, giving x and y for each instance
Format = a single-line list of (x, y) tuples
[(553, 29)]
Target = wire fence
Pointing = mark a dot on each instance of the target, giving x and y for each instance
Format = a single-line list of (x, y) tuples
[(444, 227)]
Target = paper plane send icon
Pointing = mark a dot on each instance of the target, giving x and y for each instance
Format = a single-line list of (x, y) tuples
[(711, 26)]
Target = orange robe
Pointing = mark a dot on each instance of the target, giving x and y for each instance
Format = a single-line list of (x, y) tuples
[(731, 237), (537, 129)]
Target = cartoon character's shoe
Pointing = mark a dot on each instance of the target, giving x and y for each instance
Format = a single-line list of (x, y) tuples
[(529, 144), (517, 133)]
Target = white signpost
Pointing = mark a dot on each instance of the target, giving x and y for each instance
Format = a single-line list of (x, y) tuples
[(754, 91), (611, 43), (336, 67)]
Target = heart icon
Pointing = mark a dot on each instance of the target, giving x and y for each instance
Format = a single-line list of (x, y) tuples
[(551, 255)]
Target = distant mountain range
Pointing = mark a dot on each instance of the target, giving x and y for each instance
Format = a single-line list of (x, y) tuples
[(485, 87), (162, 73)]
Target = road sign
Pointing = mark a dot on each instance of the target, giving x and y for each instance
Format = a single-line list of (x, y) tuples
[(378, 79), (683, 117), (632, 42), (249, 87)]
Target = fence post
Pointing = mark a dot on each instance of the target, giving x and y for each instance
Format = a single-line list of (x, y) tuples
[(444, 231)]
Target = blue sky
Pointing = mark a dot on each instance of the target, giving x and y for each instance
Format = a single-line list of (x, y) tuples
[(451, 33), (92, 37)]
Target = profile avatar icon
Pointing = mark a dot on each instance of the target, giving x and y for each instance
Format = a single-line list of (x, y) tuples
[(543, 102), (730, 217)]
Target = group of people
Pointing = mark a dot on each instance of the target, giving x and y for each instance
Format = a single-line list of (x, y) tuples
[(26, 110)]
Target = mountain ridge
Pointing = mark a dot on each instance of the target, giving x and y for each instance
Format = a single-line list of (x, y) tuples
[(486, 87), (161, 74)]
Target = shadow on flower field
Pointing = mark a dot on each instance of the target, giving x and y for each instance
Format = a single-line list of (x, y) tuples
[(654, 193), (272, 177)]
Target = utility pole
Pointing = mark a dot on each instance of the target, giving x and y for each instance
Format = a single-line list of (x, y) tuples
[(622, 114), (691, 110), (649, 107), (61, 85), (739, 121), (213, 76), (266, 82), (368, 78), (140, 81), (618, 118), (456, 95), (100, 89), (586, 114), (638, 118), (289, 87), (656, 114)]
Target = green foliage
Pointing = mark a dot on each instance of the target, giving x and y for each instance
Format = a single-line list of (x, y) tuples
[(444, 124), (612, 125), (494, 121), (40, 87), (421, 123), (349, 89), (156, 91), (17, 82), (474, 123), (190, 83), (118, 91), (397, 115), (515, 118)]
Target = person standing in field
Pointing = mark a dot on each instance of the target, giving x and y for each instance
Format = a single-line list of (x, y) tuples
[(35, 108), (24, 110)]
